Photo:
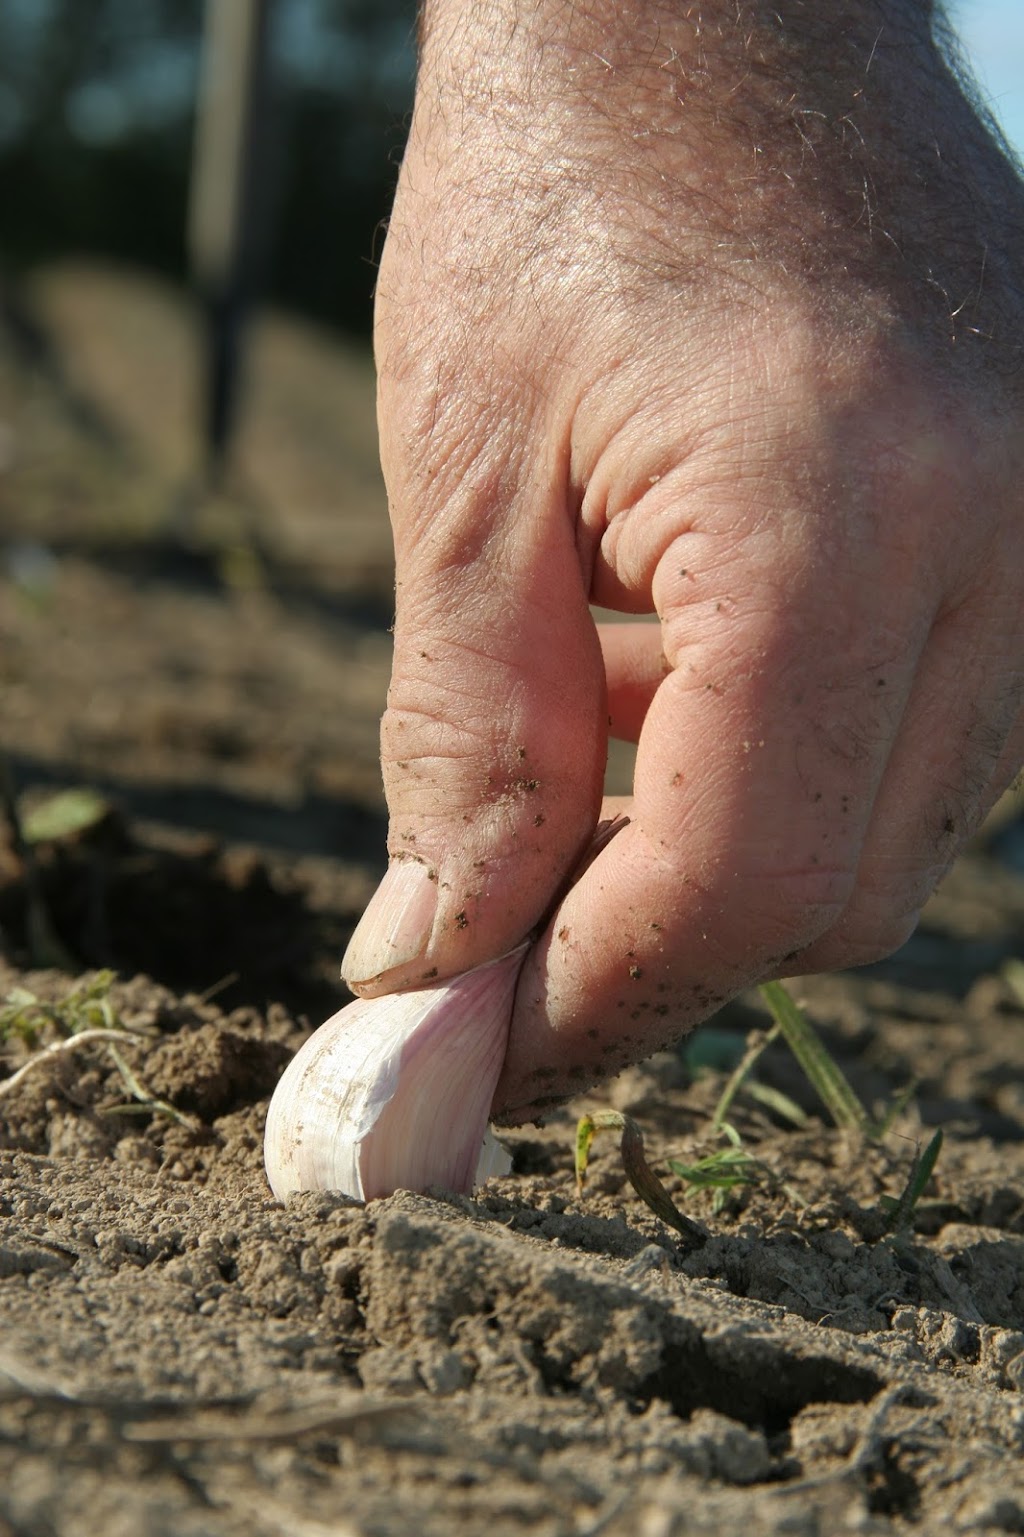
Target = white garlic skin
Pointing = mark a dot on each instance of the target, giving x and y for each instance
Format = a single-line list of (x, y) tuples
[(394, 1093)]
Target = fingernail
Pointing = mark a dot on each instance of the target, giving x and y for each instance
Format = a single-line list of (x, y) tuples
[(396, 925)]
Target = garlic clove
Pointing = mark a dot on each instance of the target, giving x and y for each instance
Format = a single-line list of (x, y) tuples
[(394, 1092)]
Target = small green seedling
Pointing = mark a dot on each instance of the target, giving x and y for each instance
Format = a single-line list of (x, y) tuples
[(773, 1099), (725, 1170), (901, 1210), (85, 1015), (825, 1075), (86, 1006), (639, 1172), (733, 1166), (757, 1044), (65, 814)]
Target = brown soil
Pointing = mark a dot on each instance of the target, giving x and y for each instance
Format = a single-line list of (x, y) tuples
[(181, 1354)]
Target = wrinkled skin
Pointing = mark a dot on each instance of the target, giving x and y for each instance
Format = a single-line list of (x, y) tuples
[(711, 313)]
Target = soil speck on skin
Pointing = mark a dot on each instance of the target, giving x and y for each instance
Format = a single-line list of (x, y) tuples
[(181, 1353)]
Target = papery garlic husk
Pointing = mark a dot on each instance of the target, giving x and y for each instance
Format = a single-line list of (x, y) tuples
[(393, 1093)]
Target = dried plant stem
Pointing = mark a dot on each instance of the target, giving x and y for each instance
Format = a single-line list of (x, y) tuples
[(60, 1048), (143, 1099)]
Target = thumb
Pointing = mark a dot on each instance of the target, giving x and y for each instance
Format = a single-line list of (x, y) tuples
[(494, 738)]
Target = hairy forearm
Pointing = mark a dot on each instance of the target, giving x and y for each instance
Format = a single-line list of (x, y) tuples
[(808, 135), (702, 43), (744, 74)]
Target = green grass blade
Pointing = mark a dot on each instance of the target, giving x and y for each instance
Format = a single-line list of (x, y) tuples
[(721, 1170), (780, 1104), (824, 1075), (901, 1212)]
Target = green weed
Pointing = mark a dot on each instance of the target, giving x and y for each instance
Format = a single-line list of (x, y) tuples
[(732, 1166), (84, 1016), (85, 1006), (727, 1169)]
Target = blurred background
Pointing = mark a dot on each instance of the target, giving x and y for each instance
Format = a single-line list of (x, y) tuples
[(97, 129), (98, 126), (195, 571), (98, 133), (195, 579)]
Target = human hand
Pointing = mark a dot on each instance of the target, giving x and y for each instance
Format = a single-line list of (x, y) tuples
[(716, 319)]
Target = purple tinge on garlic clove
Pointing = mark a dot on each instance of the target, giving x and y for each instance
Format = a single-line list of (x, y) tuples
[(394, 1093)]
